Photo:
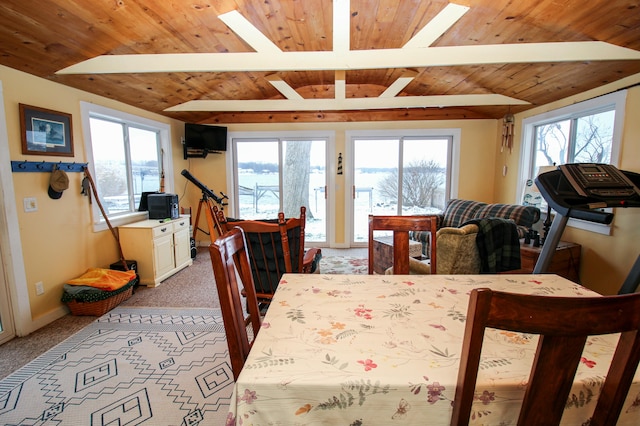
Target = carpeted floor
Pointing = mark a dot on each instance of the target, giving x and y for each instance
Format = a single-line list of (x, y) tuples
[(164, 366), (159, 357), (192, 287)]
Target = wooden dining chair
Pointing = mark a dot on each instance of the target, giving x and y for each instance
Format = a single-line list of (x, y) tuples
[(276, 247), (563, 323), (401, 226), (233, 275)]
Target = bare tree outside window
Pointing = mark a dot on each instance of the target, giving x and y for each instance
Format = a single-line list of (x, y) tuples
[(552, 142), (420, 181), (585, 139), (295, 179), (594, 135)]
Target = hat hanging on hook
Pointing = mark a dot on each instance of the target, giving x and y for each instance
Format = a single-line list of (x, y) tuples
[(58, 182)]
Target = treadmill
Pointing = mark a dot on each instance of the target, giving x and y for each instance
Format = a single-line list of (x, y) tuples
[(580, 191)]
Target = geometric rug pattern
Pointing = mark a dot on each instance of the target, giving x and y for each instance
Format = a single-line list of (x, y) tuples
[(155, 366)]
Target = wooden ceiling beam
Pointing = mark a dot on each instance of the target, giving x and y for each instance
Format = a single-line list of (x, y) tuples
[(437, 26), (348, 104), (354, 59), (345, 116)]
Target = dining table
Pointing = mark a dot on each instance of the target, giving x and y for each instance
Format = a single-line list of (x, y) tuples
[(360, 350)]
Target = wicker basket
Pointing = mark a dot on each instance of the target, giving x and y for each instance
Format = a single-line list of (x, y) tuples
[(101, 306)]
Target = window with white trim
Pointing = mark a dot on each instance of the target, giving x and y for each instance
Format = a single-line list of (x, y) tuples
[(585, 132), (125, 154)]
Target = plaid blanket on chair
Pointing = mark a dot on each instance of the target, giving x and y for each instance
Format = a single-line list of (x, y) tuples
[(498, 245)]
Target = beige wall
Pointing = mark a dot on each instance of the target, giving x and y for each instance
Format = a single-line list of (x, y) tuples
[(606, 260), (58, 242)]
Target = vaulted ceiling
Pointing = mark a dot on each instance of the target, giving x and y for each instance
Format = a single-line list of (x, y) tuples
[(239, 61)]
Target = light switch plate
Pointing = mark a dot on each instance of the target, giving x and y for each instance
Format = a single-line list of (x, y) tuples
[(30, 204)]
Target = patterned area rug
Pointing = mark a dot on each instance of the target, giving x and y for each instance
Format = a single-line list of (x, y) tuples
[(131, 366), (343, 265)]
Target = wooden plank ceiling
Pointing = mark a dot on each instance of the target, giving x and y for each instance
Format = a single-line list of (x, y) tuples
[(341, 81)]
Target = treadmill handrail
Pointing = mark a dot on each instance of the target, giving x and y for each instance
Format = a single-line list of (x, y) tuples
[(596, 216)]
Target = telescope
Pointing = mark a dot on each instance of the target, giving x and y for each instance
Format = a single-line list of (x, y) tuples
[(205, 191)]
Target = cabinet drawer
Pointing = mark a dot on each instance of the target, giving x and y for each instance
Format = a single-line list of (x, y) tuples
[(159, 231), (180, 225)]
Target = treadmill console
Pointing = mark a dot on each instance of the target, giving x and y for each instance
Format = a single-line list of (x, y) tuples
[(579, 190), (598, 180)]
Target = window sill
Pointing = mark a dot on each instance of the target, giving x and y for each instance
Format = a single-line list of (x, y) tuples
[(120, 220)]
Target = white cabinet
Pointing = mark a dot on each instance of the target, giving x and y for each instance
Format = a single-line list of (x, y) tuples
[(160, 248), (182, 245)]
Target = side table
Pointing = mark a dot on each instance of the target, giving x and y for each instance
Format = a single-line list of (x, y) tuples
[(383, 253), (565, 261)]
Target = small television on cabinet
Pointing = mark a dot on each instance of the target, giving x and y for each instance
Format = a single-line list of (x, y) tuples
[(201, 139)]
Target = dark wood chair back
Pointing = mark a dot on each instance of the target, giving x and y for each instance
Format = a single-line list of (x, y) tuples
[(276, 247), (401, 226), (563, 323), (233, 276), (217, 214)]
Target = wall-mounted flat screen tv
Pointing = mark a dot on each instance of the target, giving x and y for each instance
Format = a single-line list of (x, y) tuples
[(205, 138)]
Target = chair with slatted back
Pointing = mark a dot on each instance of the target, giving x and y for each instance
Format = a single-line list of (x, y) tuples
[(218, 214), (276, 247), (563, 323), (233, 276), (401, 226)]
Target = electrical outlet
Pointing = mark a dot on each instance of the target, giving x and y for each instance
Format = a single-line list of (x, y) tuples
[(39, 288), (30, 204)]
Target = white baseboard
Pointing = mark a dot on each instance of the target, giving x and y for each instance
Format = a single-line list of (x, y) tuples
[(43, 320)]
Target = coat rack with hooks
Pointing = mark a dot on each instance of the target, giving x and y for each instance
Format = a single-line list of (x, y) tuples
[(46, 166)]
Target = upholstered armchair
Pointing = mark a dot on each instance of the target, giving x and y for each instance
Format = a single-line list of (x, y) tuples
[(458, 212), (482, 246)]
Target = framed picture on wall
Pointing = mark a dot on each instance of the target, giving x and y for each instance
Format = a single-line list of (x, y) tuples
[(45, 132)]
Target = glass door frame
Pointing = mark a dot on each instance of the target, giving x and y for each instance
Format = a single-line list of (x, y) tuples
[(351, 136), (331, 159)]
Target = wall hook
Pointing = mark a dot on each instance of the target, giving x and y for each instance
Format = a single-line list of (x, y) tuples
[(45, 166)]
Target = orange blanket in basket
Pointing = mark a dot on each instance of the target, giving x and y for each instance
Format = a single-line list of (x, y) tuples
[(104, 279)]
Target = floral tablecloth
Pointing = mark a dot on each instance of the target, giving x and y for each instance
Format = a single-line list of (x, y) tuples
[(384, 349)]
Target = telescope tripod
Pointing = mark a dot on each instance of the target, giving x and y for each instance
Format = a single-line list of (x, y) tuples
[(212, 221)]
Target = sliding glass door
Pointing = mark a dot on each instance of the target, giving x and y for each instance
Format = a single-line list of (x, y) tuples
[(397, 175), (282, 174)]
